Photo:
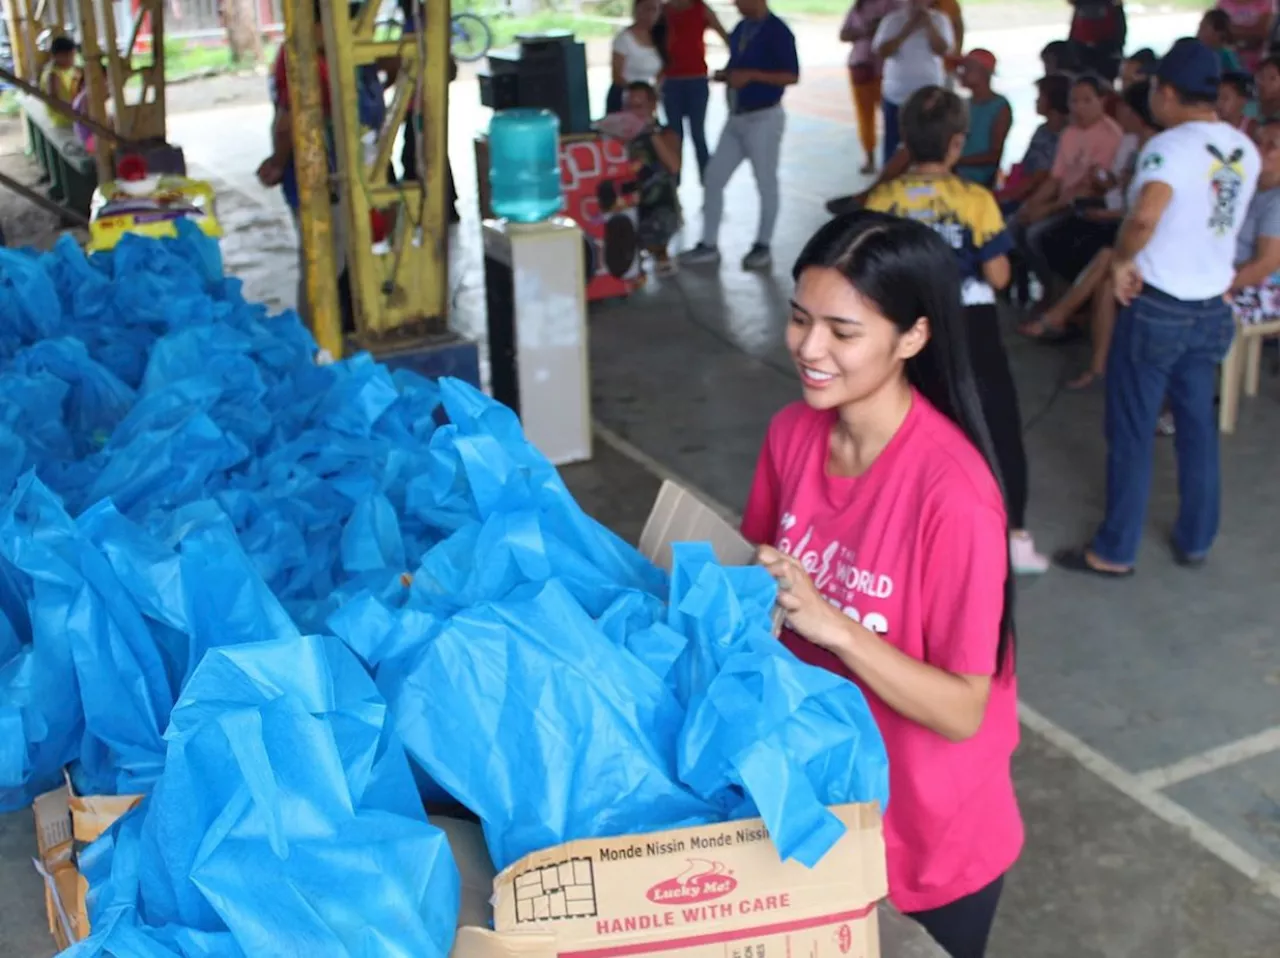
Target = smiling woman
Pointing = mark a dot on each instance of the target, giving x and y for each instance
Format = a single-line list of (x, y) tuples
[(877, 508)]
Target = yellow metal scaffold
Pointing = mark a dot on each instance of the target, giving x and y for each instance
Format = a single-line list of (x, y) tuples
[(110, 67), (399, 287)]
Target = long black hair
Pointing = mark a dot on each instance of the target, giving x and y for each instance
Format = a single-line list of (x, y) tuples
[(908, 271)]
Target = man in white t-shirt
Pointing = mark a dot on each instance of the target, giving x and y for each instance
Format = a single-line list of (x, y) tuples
[(1174, 261), (912, 42)]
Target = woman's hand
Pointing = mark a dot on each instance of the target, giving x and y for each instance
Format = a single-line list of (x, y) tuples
[(809, 614)]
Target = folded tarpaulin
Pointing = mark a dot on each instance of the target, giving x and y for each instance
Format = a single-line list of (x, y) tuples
[(286, 822)]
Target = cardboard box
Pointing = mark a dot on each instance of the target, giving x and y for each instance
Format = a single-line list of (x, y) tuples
[(680, 516), (715, 891), (63, 821)]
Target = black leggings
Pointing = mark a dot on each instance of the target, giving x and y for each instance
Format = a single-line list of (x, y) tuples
[(963, 927), (1000, 409)]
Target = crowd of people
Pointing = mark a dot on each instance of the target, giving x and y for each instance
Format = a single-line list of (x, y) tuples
[(890, 503), (1050, 230)]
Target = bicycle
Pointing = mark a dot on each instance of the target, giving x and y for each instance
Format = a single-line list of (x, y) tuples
[(469, 37)]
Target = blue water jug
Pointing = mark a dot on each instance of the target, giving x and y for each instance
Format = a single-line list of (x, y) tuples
[(524, 165)]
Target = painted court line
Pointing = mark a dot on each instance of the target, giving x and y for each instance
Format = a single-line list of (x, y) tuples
[(1233, 753), (1158, 804), (1132, 786)]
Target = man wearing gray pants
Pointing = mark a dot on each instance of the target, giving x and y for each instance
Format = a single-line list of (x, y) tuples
[(762, 64)]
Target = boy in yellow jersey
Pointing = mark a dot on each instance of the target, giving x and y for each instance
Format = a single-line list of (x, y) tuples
[(934, 125), (62, 78)]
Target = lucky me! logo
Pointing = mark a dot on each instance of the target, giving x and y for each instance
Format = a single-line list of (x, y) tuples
[(702, 881)]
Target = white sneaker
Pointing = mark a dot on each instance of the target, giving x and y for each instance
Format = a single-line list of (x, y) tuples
[(1023, 555)]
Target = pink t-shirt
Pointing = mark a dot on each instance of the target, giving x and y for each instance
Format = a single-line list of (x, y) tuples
[(916, 550), (1080, 149)]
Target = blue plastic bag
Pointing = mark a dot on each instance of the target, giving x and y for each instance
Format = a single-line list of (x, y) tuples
[(530, 717), (286, 814), (767, 734), (95, 400)]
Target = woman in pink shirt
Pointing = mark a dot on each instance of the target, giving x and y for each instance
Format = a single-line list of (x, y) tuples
[(876, 506), (1086, 149)]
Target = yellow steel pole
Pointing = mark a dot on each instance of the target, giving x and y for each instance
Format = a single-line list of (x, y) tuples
[(400, 287), (435, 138), (302, 55)]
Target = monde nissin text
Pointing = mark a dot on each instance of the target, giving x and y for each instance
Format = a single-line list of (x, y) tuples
[(677, 846), (695, 897)]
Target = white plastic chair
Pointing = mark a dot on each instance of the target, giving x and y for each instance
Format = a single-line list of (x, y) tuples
[(1242, 369)]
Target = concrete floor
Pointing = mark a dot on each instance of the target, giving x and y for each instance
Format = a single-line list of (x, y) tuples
[(1150, 767)]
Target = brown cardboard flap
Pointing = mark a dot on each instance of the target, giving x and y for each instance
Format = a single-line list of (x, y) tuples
[(466, 841), (62, 819), (53, 826), (680, 516), (92, 815)]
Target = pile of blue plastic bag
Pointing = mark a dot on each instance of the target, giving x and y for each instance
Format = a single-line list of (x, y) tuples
[(289, 602)]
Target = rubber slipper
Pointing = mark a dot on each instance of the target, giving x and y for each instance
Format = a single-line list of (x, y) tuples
[(1077, 560)]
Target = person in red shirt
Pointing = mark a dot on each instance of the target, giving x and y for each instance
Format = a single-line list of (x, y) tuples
[(681, 38), (1099, 29), (876, 506)]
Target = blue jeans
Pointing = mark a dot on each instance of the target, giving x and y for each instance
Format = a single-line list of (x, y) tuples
[(892, 137), (1163, 347), (685, 98)]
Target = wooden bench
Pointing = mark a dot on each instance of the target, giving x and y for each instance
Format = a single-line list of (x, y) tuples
[(72, 173)]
